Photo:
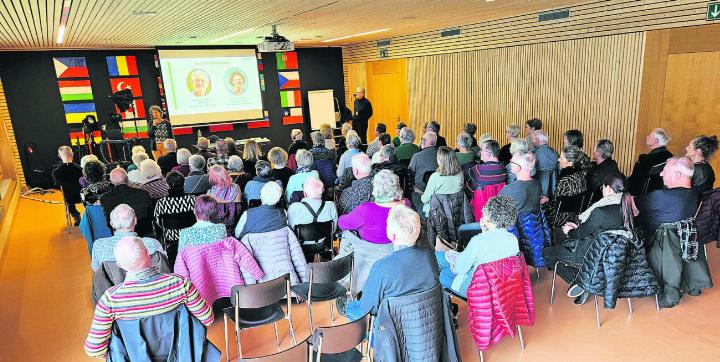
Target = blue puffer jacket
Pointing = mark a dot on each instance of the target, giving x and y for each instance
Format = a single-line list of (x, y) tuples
[(93, 225), (533, 233)]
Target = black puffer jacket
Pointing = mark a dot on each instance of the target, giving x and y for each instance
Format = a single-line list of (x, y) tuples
[(616, 266), (447, 213), (708, 218)]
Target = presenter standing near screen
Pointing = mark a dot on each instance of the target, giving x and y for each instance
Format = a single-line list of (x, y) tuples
[(158, 131), (362, 112)]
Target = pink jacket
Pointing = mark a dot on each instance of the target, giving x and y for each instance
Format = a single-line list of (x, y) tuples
[(481, 197), (214, 268), (499, 299)]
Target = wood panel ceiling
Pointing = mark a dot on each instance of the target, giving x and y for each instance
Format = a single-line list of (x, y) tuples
[(34, 24)]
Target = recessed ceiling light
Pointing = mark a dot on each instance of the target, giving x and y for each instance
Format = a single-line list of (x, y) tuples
[(355, 35), (232, 35), (63, 21)]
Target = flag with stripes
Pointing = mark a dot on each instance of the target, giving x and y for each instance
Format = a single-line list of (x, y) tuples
[(129, 130), (289, 80), (292, 116), (286, 60), (290, 99), (70, 67), (77, 138), (75, 90), (76, 112), (121, 65)]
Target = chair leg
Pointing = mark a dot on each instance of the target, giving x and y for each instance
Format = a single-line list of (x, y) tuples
[(705, 250), (332, 312), (630, 305), (552, 288), (537, 273), (597, 312), (482, 358), (237, 342), (657, 302), (277, 340), (292, 331), (309, 304), (227, 352), (522, 341)]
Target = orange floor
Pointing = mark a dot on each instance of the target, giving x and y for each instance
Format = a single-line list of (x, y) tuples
[(45, 311)]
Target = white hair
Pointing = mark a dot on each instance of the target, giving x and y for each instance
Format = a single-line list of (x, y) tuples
[(87, 158), (196, 162), (525, 159), (138, 158), (129, 251), (406, 135), (303, 158), (122, 217), (150, 169), (317, 138), (404, 223), (353, 140), (278, 157), (387, 152), (235, 163), (183, 156), (518, 145), (270, 193), (540, 137), (138, 149), (464, 140), (429, 139), (683, 165), (484, 138), (170, 145), (514, 130), (361, 162), (386, 186), (662, 136)]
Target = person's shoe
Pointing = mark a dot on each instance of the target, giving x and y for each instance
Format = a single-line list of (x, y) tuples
[(580, 300), (76, 222), (695, 292), (575, 291)]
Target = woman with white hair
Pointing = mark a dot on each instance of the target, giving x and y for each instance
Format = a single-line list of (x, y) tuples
[(183, 160), (304, 170), (136, 176), (353, 144), (407, 148), (266, 217), (512, 132), (278, 160), (155, 184), (135, 149), (369, 219), (237, 172), (83, 161)]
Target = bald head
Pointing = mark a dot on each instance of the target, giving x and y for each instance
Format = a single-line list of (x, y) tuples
[(313, 188), (361, 165), (131, 255), (118, 176), (678, 172)]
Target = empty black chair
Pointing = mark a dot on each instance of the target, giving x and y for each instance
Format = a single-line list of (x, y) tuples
[(338, 343), (467, 232), (170, 226)]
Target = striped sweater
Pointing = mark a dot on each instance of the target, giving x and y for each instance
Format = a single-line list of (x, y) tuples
[(153, 294)]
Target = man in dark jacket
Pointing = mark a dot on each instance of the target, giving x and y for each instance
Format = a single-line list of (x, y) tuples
[(389, 162), (421, 163), (433, 126), (603, 165), (202, 145), (168, 161), (648, 166), (137, 199), (361, 115), (68, 177)]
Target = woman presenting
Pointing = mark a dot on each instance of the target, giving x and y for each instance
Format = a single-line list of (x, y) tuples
[(158, 131)]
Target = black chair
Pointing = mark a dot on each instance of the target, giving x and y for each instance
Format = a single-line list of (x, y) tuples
[(229, 213), (178, 222), (467, 232), (323, 283), (300, 352), (254, 203), (426, 176), (338, 343), (320, 233), (405, 162), (256, 305)]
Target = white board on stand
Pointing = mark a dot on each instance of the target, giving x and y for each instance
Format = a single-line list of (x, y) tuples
[(322, 108)]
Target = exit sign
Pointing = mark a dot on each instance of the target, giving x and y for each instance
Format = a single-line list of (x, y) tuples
[(713, 11)]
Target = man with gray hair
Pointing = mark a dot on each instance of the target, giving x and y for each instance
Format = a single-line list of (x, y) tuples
[(546, 167), (408, 270), (169, 160), (312, 208), (361, 188), (645, 176), (602, 165), (203, 144), (253, 189), (123, 221), (196, 182), (423, 163), (525, 191), (137, 199), (221, 147)]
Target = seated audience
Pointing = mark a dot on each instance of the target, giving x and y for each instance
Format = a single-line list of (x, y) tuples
[(447, 180), (353, 148), (135, 177), (546, 166), (700, 150), (312, 208), (645, 176), (490, 171), (417, 266), (221, 148), (183, 160), (169, 160), (327, 132), (614, 211), (573, 137), (388, 161), (251, 155), (396, 140), (677, 201), (203, 144), (434, 126), (135, 149), (422, 163), (465, 154), (269, 216), (138, 199), (123, 221), (254, 186), (94, 173), (175, 203), (323, 159), (232, 147), (525, 191), (278, 160), (205, 230), (512, 132), (602, 166), (384, 139), (407, 148), (531, 126), (237, 173), (369, 219), (67, 176), (155, 184), (375, 145), (567, 201), (223, 189), (304, 161), (518, 144), (83, 161), (197, 182), (342, 143), (361, 188), (144, 293), (298, 143), (495, 242)]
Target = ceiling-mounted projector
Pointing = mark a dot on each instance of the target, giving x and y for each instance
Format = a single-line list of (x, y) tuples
[(275, 43)]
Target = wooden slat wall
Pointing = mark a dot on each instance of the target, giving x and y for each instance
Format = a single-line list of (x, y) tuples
[(9, 155), (355, 76), (591, 84)]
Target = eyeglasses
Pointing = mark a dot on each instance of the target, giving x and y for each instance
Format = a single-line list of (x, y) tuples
[(517, 164)]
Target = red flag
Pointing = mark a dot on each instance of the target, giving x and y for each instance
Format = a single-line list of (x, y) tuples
[(221, 127), (258, 124), (118, 84)]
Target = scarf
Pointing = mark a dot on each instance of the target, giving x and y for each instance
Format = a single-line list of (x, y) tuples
[(142, 274), (614, 199)]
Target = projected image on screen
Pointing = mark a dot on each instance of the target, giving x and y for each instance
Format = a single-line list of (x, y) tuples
[(211, 86)]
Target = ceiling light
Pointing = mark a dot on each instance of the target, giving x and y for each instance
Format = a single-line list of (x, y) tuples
[(63, 21), (144, 13), (355, 35), (232, 35)]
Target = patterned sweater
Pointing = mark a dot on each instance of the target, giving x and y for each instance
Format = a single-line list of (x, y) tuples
[(141, 295)]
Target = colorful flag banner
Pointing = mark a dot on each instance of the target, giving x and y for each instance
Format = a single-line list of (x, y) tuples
[(260, 65), (75, 90), (220, 127), (262, 82), (77, 138), (121, 65), (70, 67), (118, 84), (139, 107), (76, 112), (129, 130), (286, 60), (182, 130), (289, 80), (292, 116), (290, 99), (160, 85)]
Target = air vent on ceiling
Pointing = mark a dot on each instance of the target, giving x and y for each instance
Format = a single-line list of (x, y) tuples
[(383, 43), (554, 15), (450, 32)]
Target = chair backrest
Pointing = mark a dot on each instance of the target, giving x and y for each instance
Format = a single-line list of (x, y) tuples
[(405, 161), (254, 203), (331, 271), (318, 232), (177, 221), (300, 352), (467, 232), (260, 295), (342, 338), (426, 176)]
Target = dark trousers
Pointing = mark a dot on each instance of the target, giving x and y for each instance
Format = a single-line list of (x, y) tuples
[(361, 128), (566, 252), (73, 210)]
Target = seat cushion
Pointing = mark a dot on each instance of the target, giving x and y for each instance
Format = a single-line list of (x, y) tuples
[(352, 355), (254, 317), (321, 292)]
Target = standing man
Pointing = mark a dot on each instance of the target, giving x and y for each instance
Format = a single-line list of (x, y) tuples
[(68, 176), (362, 113)]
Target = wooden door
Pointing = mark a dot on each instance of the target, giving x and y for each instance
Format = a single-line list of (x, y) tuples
[(387, 91), (691, 100)]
